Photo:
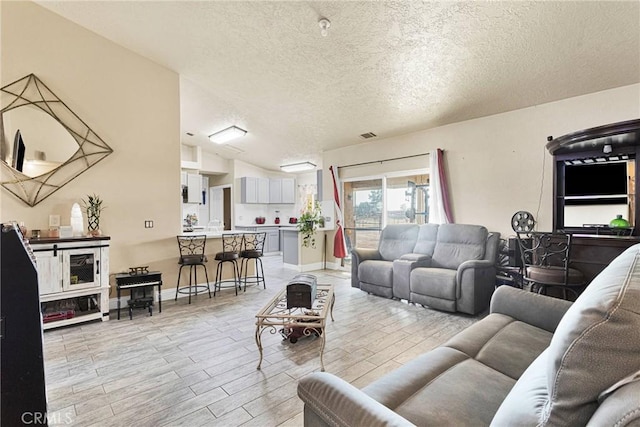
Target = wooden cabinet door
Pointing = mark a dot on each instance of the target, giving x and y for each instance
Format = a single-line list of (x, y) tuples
[(49, 266), (81, 268)]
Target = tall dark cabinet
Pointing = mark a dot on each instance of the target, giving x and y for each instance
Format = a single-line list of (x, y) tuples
[(22, 387)]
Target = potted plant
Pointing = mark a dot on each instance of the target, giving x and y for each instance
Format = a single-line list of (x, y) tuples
[(308, 223), (93, 207)]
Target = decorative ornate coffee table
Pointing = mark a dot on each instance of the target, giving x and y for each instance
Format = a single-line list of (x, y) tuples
[(307, 321)]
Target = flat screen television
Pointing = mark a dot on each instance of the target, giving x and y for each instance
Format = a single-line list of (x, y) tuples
[(598, 179), (18, 152)]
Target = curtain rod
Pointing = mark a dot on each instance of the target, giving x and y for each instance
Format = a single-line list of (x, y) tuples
[(382, 161)]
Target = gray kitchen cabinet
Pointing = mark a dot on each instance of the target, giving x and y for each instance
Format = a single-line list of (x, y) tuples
[(272, 242), (254, 190), (282, 190)]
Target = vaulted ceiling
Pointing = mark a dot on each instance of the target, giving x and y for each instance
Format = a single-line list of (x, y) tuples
[(387, 67)]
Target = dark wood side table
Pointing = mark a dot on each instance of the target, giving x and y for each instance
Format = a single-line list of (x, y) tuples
[(141, 280)]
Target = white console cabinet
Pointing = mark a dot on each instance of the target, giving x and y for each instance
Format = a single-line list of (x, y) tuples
[(73, 278)]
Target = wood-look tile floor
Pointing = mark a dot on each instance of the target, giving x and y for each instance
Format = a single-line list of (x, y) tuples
[(195, 365)]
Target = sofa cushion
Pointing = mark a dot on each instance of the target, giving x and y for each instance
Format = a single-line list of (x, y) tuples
[(397, 240), (427, 237), (434, 282), (502, 343), (376, 272), (453, 397), (458, 243), (595, 345)]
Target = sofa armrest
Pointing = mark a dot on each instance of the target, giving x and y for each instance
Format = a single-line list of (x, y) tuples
[(537, 310), (402, 273), (421, 260), (475, 282), (339, 403), (359, 255)]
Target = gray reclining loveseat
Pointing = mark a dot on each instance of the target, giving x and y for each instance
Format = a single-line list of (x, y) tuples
[(533, 361), (448, 267)]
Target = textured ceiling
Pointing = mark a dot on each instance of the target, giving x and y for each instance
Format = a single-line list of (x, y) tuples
[(385, 67)]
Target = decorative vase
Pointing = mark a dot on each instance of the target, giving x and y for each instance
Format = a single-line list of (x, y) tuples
[(619, 222), (93, 223)]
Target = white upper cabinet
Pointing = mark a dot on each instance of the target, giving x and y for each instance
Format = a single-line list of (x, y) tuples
[(264, 190), (248, 189), (288, 190), (194, 188), (275, 190)]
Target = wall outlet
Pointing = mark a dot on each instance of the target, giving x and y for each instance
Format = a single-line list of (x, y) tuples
[(148, 223)]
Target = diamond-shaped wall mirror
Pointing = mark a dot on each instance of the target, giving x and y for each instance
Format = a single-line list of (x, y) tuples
[(43, 144)]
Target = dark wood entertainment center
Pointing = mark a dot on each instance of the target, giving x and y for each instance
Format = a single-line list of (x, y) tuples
[(596, 245)]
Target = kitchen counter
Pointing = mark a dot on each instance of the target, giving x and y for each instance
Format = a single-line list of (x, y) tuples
[(285, 225)]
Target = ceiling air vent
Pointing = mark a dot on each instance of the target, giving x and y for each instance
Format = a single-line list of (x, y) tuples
[(368, 135)]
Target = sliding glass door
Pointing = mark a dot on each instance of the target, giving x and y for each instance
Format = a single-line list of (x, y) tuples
[(371, 204), (362, 213)]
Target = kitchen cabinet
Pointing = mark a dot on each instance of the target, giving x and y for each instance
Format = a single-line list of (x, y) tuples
[(275, 190), (272, 242), (263, 190), (194, 188), (288, 190), (254, 190), (282, 190), (74, 279)]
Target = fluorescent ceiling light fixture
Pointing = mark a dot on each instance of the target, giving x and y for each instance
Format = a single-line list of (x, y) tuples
[(298, 167), (225, 135)]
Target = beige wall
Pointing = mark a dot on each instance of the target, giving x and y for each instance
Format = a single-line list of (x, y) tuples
[(495, 164), (132, 104)]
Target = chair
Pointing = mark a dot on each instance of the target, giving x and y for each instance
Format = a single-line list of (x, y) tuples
[(253, 246), (192, 255), (546, 261), (231, 246)]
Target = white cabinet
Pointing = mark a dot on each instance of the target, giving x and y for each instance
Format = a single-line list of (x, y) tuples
[(254, 190), (275, 190), (73, 278), (288, 190), (49, 269), (248, 189), (282, 190), (194, 188), (263, 190)]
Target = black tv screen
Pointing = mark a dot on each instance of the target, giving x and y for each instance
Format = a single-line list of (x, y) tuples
[(598, 179)]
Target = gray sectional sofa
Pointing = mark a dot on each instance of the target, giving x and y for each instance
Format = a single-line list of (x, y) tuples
[(533, 361), (449, 267)]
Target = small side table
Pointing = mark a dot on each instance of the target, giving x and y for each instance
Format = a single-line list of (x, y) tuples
[(132, 281)]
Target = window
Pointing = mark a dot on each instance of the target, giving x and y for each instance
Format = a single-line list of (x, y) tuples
[(371, 204)]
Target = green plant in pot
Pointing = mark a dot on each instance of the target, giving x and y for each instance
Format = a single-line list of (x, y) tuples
[(308, 223), (93, 207)]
